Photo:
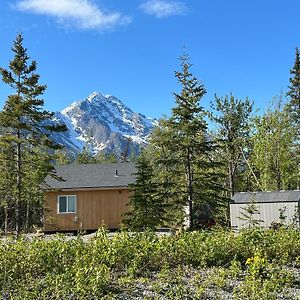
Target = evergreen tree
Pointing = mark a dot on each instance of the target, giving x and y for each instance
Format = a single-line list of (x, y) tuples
[(249, 212), (86, 156), (7, 180), (62, 157), (294, 90), (160, 153), (25, 125), (147, 209), (186, 150), (127, 150), (294, 108), (111, 157)]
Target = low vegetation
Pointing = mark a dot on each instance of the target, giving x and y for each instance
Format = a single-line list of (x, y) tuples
[(255, 264)]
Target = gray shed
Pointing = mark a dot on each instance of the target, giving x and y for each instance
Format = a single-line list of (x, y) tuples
[(269, 206)]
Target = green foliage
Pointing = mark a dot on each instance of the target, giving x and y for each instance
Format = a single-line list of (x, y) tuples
[(232, 118), (86, 156), (183, 155), (272, 155), (55, 269), (263, 280), (169, 266), (62, 157), (147, 208), (170, 182), (248, 214), (294, 89), (25, 141), (293, 95)]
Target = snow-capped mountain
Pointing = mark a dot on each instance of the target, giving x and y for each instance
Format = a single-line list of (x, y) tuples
[(105, 124)]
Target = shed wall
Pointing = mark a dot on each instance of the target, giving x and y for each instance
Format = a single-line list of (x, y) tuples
[(268, 213), (94, 209)]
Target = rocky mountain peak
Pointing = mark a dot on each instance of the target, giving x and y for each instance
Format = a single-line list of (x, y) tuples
[(105, 123)]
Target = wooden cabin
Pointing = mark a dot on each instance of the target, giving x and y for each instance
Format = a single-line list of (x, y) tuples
[(90, 196)]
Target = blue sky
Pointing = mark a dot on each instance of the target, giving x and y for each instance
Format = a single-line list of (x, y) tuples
[(130, 48)]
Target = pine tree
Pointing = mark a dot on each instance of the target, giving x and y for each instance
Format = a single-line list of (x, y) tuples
[(86, 156), (62, 157), (168, 174), (294, 89), (294, 107), (25, 125), (186, 150), (248, 213), (147, 209)]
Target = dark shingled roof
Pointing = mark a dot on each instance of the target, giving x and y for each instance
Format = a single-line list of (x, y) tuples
[(107, 175), (267, 197)]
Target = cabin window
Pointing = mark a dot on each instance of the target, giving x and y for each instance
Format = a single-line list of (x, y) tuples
[(66, 204)]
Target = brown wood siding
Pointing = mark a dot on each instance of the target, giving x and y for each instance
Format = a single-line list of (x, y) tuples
[(94, 209)]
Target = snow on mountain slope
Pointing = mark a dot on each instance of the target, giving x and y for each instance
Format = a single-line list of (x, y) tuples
[(105, 124)]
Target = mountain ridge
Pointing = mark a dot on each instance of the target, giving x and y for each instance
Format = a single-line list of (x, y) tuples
[(103, 123)]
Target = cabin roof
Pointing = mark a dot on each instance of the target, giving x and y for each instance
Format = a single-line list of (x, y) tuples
[(266, 197), (81, 176)]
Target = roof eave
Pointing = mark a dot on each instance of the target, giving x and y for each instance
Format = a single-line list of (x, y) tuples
[(72, 189)]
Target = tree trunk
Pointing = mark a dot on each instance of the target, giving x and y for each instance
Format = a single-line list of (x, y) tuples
[(190, 191), (231, 179), (18, 182), (5, 219), (27, 215), (19, 168)]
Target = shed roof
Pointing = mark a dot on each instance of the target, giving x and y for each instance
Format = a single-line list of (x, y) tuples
[(267, 197), (80, 176)]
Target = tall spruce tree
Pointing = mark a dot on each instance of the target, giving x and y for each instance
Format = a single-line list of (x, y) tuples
[(294, 90), (160, 153), (186, 150), (26, 128), (294, 107), (147, 209)]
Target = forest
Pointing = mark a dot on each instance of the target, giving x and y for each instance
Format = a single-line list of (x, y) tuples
[(195, 161)]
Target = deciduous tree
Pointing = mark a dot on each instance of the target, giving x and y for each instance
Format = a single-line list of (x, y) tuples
[(272, 155), (232, 118)]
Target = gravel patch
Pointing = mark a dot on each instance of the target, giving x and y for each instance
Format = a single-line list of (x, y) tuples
[(191, 283)]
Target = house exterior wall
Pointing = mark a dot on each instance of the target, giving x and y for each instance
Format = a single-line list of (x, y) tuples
[(268, 213), (94, 208)]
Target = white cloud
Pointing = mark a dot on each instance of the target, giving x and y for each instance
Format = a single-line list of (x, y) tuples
[(81, 14), (164, 8)]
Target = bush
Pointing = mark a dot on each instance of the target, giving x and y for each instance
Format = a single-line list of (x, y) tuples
[(72, 269)]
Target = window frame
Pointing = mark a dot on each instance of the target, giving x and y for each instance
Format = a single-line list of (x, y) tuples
[(67, 204)]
